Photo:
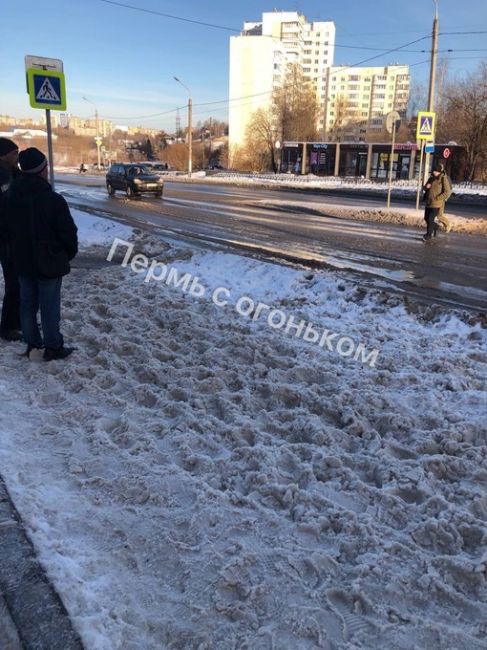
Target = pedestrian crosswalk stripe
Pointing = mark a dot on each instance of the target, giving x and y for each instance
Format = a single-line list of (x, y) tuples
[(47, 91)]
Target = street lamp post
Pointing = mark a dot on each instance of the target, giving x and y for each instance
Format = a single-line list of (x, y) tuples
[(97, 139), (190, 128)]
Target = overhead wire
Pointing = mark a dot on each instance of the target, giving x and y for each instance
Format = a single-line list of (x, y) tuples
[(171, 16)]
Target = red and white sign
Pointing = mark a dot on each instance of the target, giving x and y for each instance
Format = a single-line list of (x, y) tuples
[(446, 153)]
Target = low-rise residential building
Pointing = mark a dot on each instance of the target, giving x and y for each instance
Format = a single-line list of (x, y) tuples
[(357, 100)]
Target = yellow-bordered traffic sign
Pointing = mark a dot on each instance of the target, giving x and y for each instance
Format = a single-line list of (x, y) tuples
[(425, 128), (47, 89)]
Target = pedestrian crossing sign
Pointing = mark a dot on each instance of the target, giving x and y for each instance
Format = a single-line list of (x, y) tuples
[(46, 89), (425, 129)]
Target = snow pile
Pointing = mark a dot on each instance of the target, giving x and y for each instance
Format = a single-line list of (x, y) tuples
[(95, 231), (195, 480), (399, 187)]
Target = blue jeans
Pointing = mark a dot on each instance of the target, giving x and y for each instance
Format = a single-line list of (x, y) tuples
[(46, 295)]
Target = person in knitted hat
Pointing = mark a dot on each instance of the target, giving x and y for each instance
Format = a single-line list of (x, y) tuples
[(44, 239), (10, 319), (436, 192)]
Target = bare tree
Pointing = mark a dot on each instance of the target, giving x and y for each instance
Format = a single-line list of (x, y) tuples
[(463, 119), (294, 107), (340, 121), (262, 134), (418, 99)]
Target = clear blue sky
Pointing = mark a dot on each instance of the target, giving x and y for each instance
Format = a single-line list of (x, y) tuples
[(124, 60)]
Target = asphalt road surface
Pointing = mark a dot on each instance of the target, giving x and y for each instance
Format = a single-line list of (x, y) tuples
[(452, 269)]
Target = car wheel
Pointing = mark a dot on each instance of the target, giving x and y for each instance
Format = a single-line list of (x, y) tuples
[(110, 189), (159, 195)]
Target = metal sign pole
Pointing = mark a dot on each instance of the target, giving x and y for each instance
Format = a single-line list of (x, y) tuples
[(391, 162), (420, 184), (49, 147)]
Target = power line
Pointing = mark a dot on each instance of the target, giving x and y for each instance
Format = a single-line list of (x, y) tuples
[(267, 92), (381, 49), (140, 117), (159, 13), (461, 33)]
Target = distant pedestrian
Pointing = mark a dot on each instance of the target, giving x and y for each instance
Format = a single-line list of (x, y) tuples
[(10, 319), (44, 239), (436, 192), (82, 168)]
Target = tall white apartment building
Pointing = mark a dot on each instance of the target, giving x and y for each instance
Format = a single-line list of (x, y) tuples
[(357, 100), (353, 102), (259, 57)]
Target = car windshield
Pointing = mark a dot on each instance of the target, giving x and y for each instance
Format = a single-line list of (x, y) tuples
[(137, 170)]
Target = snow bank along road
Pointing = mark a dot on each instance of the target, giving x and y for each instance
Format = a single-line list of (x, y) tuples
[(195, 480), (452, 269)]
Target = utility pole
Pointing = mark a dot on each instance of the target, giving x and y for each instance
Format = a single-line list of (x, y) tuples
[(98, 140), (190, 127), (209, 155), (432, 82), (190, 136)]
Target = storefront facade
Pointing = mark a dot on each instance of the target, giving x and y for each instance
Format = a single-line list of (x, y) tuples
[(365, 160)]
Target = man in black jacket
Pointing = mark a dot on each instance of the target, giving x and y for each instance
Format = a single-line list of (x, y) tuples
[(10, 320), (43, 237)]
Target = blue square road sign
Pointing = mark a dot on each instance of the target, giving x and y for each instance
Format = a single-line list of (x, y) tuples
[(46, 89)]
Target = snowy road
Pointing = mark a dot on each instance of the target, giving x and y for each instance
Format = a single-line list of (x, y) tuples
[(452, 270)]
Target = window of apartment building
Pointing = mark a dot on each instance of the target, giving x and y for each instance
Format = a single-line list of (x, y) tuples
[(325, 61), (379, 96), (316, 69), (377, 121), (326, 42), (380, 86), (306, 69), (307, 61), (317, 61), (364, 113), (308, 42), (353, 77), (380, 77), (307, 51)]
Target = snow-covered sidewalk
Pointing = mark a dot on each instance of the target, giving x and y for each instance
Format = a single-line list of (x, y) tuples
[(194, 479)]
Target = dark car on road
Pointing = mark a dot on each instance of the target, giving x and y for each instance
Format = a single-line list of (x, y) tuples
[(133, 179)]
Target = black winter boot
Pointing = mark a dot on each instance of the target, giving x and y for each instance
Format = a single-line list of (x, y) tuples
[(50, 354)]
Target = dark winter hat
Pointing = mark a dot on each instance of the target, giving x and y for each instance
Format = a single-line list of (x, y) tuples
[(437, 167), (6, 146), (32, 161)]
